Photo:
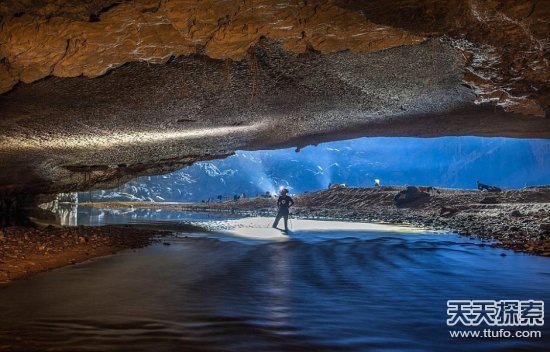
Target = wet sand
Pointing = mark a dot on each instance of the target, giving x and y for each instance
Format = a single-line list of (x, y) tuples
[(516, 219), (259, 228), (25, 251)]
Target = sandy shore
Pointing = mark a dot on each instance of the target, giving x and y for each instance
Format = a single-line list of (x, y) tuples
[(516, 219), (25, 250)]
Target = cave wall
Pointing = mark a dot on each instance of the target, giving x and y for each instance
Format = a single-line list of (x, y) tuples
[(97, 92)]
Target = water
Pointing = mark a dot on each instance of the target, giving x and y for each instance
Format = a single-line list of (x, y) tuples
[(334, 290), (74, 215)]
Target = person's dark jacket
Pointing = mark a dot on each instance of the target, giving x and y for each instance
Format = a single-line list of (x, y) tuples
[(283, 203)]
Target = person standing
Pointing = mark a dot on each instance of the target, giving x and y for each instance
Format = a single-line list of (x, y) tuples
[(284, 202)]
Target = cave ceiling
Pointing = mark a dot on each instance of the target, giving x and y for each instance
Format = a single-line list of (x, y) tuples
[(94, 93)]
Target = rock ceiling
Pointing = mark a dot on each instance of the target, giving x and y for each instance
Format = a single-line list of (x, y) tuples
[(96, 92)]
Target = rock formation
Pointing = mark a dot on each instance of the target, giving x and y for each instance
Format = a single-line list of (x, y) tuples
[(97, 92)]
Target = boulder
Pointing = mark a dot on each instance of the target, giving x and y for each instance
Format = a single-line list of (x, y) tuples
[(411, 197)]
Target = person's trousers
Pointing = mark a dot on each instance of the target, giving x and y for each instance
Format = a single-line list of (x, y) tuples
[(281, 214)]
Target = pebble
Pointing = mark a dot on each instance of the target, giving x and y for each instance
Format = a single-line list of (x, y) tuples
[(18, 243)]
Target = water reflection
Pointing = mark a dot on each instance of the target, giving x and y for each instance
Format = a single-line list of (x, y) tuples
[(75, 215), (354, 292), (321, 290), (279, 286), (67, 214)]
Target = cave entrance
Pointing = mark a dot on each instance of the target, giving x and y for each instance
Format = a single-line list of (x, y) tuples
[(449, 162), (391, 163)]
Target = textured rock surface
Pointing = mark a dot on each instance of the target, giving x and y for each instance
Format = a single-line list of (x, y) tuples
[(505, 42), (36, 46), (25, 251), (143, 118), (114, 89)]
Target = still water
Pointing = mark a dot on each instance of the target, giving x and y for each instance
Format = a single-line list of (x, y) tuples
[(335, 290)]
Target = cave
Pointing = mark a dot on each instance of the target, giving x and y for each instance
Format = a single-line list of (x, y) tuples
[(147, 87), (95, 94)]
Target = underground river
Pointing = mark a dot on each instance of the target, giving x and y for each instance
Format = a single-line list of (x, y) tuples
[(326, 286)]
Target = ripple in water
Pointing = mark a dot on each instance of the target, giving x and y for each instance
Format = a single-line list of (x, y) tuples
[(334, 291)]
